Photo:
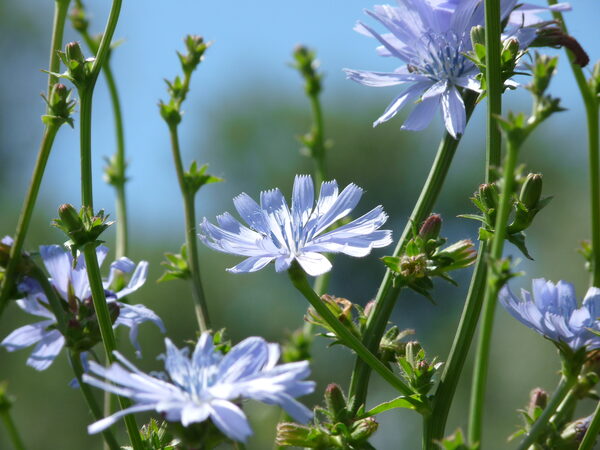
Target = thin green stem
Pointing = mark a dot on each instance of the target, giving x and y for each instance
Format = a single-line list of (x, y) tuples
[(11, 428), (120, 162), (200, 305), (387, 293), (61, 8), (319, 147), (106, 331), (459, 351), (85, 142), (591, 110), (489, 302), (301, 283), (541, 424), (27, 211), (95, 410)]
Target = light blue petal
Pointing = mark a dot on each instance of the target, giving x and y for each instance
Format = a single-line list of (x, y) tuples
[(243, 360), (251, 212), (132, 316), (26, 336), (453, 108), (251, 264), (46, 350), (421, 115), (381, 79), (410, 94), (137, 280), (303, 198), (230, 420), (58, 264)]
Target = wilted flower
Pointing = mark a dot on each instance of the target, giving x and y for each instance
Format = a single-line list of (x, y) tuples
[(208, 384), (551, 310), (284, 235), (432, 38), (72, 285)]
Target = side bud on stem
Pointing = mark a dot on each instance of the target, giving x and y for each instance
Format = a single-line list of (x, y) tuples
[(60, 106)]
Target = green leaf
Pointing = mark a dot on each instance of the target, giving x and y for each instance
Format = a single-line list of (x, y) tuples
[(399, 402)]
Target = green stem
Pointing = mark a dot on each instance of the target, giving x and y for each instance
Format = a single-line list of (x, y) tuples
[(318, 150), (85, 142), (11, 428), (121, 164), (61, 8), (387, 293), (591, 110), (95, 410), (27, 211), (460, 349), (541, 424), (201, 307), (299, 280), (106, 331), (489, 302), (494, 82)]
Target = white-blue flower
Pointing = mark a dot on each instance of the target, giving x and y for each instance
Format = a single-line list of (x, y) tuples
[(432, 37), (552, 310), (72, 282), (208, 385), (282, 235)]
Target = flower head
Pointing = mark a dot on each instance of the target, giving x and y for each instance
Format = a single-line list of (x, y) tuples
[(551, 310), (283, 235), (208, 384), (72, 285), (432, 38)]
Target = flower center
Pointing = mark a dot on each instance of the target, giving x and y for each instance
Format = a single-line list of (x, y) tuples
[(441, 56)]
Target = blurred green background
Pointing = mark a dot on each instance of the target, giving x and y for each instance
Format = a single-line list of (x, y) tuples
[(243, 115)]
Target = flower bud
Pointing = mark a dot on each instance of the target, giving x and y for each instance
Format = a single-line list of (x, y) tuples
[(70, 218), (306, 64), (413, 266), (512, 46), (292, 435), (531, 192), (369, 308), (336, 402), (538, 398), (5, 400), (74, 53), (488, 193), (477, 35), (574, 432), (363, 429), (431, 227)]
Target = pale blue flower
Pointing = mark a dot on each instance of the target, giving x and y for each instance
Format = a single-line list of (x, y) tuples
[(282, 235), (432, 37), (72, 283), (208, 384), (551, 310)]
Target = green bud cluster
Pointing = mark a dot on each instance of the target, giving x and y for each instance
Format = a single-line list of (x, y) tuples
[(392, 345), (334, 427), (424, 258), (416, 370), (195, 52), (83, 228), (352, 316), (79, 68)]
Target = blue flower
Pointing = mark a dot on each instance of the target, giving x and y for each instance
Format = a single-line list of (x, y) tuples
[(552, 311), (208, 385), (71, 284), (432, 37), (283, 235)]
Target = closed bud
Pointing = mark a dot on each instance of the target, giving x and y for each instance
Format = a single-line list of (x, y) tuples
[(477, 35), (488, 194), (74, 53), (573, 433), (511, 45), (292, 435), (70, 218), (306, 64), (363, 429), (369, 308), (538, 398), (335, 402), (431, 227), (531, 192), (5, 400)]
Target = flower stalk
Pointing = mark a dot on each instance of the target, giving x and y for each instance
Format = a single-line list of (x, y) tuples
[(11, 428), (387, 293), (300, 282)]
